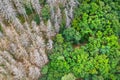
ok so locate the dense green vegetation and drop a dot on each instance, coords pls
(90, 48)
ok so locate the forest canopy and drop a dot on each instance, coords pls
(89, 49)
(59, 39)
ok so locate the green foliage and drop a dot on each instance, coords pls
(44, 70)
(37, 19)
(1, 28)
(42, 2)
(69, 76)
(108, 45)
(95, 16)
(59, 38)
(77, 61)
(97, 24)
(45, 13)
(72, 35)
(29, 11)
